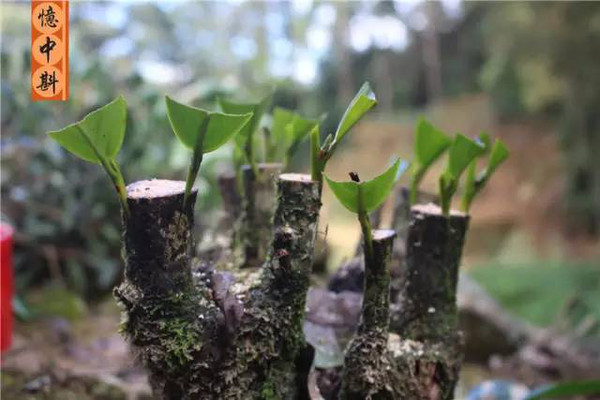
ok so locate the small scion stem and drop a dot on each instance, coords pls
(367, 371)
(365, 225)
(315, 156)
(119, 182)
(114, 173)
(470, 187)
(414, 187)
(194, 167)
(249, 150)
(447, 189)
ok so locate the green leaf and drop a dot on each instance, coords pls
(222, 127)
(300, 128)
(484, 140)
(430, 144)
(564, 389)
(288, 131)
(346, 193)
(374, 192)
(473, 184)
(278, 142)
(99, 135)
(281, 119)
(462, 151)
(469, 190)
(186, 122)
(498, 155)
(257, 110)
(362, 102)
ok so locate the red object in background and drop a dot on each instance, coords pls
(6, 286)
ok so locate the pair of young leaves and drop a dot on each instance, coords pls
(362, 102)
(431, 143)
(289, 129)
(99, 136)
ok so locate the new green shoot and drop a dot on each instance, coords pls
(288, 130)
(362, 198)
(475, 183)
(462, 151)
(202, 131)
(430, 144)
(362, 102)
(245, 139)
(97, 138)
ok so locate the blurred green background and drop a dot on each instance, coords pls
(526, 72)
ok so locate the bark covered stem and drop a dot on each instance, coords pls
(162, 309)
(367, 367)
(433, 253)
(430, 345)
(261, 359)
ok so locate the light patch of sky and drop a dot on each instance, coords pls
(275, 23)
(406, 6)
(417, 20)
(301, 7)
(118, 47)
(279, 68)
(114, 14)
(243, 47)
(162, 73)
(383, 32)
(318, 43)
(318, 39)
(305, 68)
(325, 15)
(453, 8)
(283, 48)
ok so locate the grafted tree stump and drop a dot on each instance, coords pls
(430, 348)
(195, 344)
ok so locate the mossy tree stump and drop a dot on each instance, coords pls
(429, 349)
(194, 344)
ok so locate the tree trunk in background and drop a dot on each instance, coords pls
(345, 78)
(431, 54)
(384, 79)
(580, 143)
